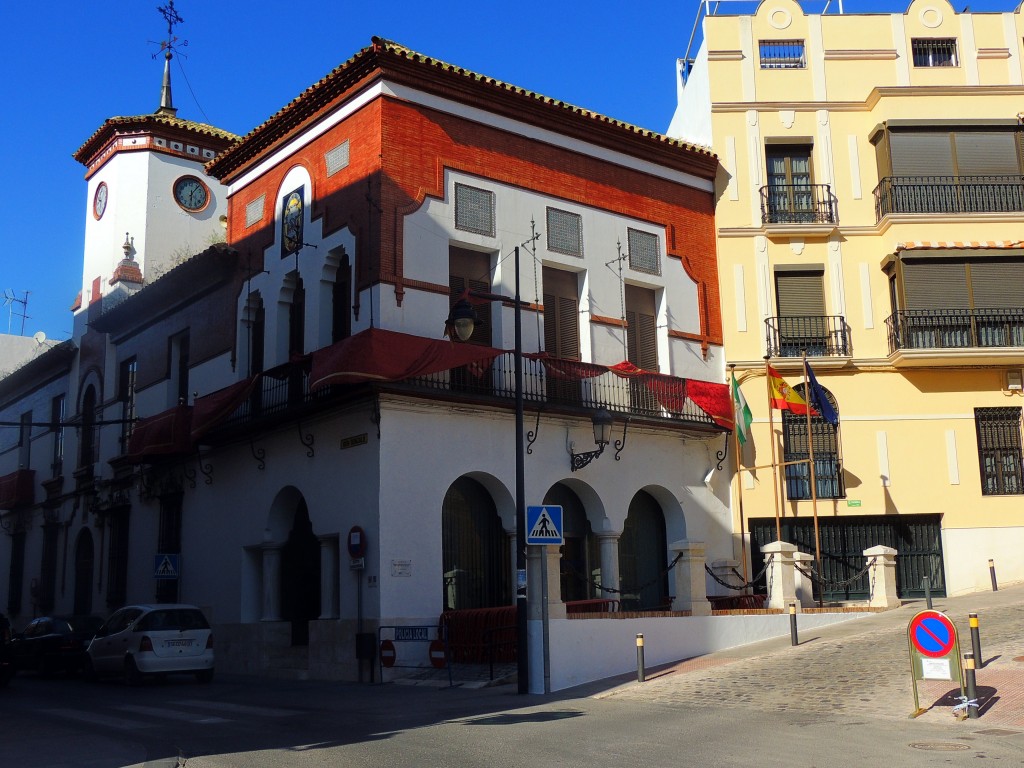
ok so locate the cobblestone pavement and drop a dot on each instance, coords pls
(857, 668)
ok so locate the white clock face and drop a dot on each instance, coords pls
(99, 200)
(190, 193)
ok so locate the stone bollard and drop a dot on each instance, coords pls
(882, 577)
(691, 581)
(803, 562)
(781, 574)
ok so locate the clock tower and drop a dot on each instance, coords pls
(150, 203)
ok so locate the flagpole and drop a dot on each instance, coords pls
(737, 448)
(775, 468)
(812, 471)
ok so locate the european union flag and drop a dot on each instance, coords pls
(820, 401)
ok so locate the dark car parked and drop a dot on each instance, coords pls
(6, 660)
(54, 643)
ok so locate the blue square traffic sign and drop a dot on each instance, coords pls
(544, 525)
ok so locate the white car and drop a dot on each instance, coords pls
(140, 640)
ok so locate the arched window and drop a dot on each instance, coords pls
(642, 553)
(475, 550)
(828, 466)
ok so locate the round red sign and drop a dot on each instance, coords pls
(387, 653)
(438, 657)
(932, 634)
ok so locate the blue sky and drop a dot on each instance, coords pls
(70, 65)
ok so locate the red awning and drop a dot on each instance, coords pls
(18, 489)
(209, 410)
(166, 434)
(379, 355)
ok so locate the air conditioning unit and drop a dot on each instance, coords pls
(1013, 381)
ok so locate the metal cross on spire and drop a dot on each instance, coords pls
(172, 17)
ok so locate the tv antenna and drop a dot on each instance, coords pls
(10, 299)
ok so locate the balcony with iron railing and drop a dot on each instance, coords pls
(815, 335)
(949, 194)
(803, 204)
(981, 336)
(553, 384)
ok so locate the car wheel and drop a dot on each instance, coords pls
(132, 676)
(205, 676)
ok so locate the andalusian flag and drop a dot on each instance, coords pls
(783, 397)
(743, 415)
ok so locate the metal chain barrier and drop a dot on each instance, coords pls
(745, 585)
(626, 591)
(810, 574)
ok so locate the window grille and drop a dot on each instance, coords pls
(999, 450)
(934, 52)
(644, 251)
(57, 420)
(565, 232)
(337, 158)
(782, 54)
(254, 211)
(474, 210)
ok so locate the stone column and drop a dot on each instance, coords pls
(882, 577)
(691, 585)
(271, 583)
(781, 574)
(329, 576)
(609, 544)
(804, 586)
(553, 562)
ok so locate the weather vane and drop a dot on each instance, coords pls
(172, 17)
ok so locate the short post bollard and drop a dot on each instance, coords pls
(972, 687)
(992, 573)
(640, 674)
(975, 638)
(792, 625)
(927, 583)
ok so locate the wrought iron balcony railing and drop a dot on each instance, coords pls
(798, 204)
(818, 335)
(949, 194)
(955, 328)
(550, 382)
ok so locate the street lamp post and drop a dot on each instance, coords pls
(462, 319)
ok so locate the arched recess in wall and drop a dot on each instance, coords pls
(643, 552)
(581, 555)
(476, 560)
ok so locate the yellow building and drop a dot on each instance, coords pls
(871, 214)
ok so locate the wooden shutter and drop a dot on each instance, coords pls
(471, 270)
(935, 284)
(561, 314)
(986, 153)
(800, 294)
(641, 328)
(925, 153)
(998, 284)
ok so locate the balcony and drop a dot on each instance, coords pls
(949, 194)
(818, 335)
(803, 206)
(557, 385)
(956, 336)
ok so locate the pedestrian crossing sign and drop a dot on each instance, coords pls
(544, 525)
(166, 567)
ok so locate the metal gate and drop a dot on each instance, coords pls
(917, 541)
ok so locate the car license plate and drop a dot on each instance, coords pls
(178, 643)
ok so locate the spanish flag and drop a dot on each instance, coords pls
(783, 397)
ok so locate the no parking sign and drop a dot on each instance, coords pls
(934, 651)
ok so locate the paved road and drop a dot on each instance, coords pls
(857, 668)
(840, 698)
